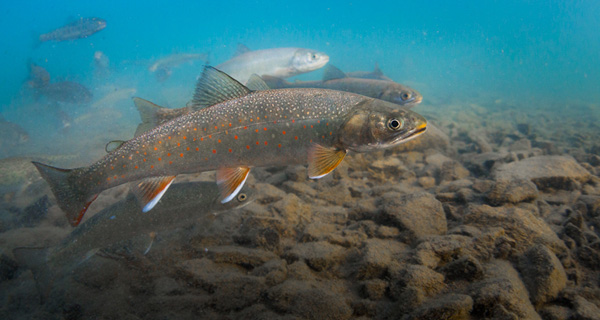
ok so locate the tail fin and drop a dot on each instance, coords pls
(34, 259)
(73, 200)
(148, 112)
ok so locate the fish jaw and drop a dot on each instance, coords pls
(306, 60)
(377, 124)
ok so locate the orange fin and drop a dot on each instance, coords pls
(150, 190)
(231, 181)
(322, 160)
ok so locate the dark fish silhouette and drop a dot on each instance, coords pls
(81, 28)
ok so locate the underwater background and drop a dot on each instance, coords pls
(452, 221)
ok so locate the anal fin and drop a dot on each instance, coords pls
(231, 181)
(322, 160)
(150, 190)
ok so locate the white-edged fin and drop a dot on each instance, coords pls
(256, 83)
(215, 86)
(113, 145)
(241, 49)
(150, 190)
(322, 160)
(331, 73)
(231, 181)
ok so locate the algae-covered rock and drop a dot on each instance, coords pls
(420, 214)
(542, 273)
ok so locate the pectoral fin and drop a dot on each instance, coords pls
(322, 160)
(231, 181)
(150, 190)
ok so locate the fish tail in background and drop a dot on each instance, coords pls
(275, 82)
(34, 259)
(148, 112)
(70, 197)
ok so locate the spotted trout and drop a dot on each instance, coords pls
(80, 28)
(234, 130)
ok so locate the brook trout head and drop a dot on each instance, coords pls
(306, 60)
(101, 23)
(401, 95)
(376, 124)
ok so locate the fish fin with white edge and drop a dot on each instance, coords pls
(256, 83)
(71, 198)
(150, 190)
(148, 113)
(322, 160)
(215, 86)
(241, 49)
(331, 73)
(113, 145)
(35, 259)
(230, 181)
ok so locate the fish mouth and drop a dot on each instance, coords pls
(418, 99)
(420, 129)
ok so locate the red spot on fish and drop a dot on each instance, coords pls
(293, 121)
(170, 162)
(219, 140)
(178, 144)
(155, 148)
(152, 167)
(108, 179)
(235, 137)
(169, 138)
(115, 177)
(122, 176)
(112, 168)
(197, 149)
(251, 120)
(194, 139)
(136, 167)
(210, 136)
(257, 142)
(296, 137)
(159, 142)
(181, 155)
(159, 159)
(188, 148)
(184, 137)
(201, 139)
(323, 136)
(144, 160)
(318, 121)
(229, 150)
(311, 126)
(283, 132)
(265, 129)
(274, 122)
(137, 152)
(256, 130)
(214, 151)
(216, 127)
(247, 147)
(204, 129)
(195, 129)
(327, 124)
(304, 126)
(168, 154)
(123, 166)
(230, 124)
(145, 154)
(245, 127)
(330, 133)
(279, 145)
(222, 124)
(265, 143)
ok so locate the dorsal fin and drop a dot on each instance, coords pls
(148, 112)
(215, 86)
(256, 83)
(332, 73)
(377, 71)
(241, 49)
(113, 145)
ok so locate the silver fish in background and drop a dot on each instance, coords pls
(277, 62)
(335, 79)
(11, 136)
(63, 91)
(101, 64)
(162, 68)
(123, 221)
(81, 28)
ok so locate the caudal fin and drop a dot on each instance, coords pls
(71, 198)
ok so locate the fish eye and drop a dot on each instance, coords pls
(405, 96)
(395, 124)
(242, 197)
(314, 56)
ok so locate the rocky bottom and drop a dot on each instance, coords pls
(479, 218)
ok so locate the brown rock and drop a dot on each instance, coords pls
(420, 214)
(318, 255)
(512, 191)
(450, 307)
(542, 273)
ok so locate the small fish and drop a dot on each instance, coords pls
(162, 67)
(277, 62)
(376, 74)
(335, 79)
(123, 221)
(11, 135)
(237, 129)
(63, 91)
(81, 28)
